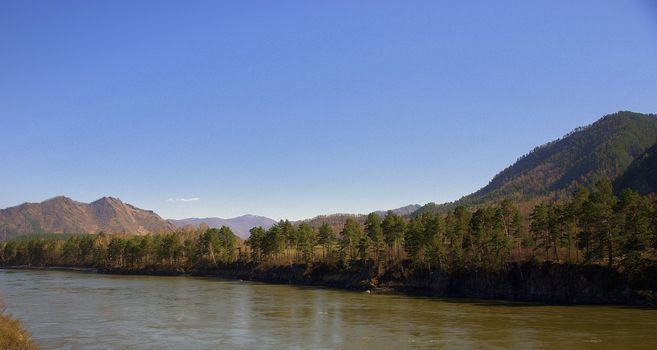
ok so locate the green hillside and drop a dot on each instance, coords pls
(604, 149)
(641, 175)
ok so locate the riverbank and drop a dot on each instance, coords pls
(13, 336)
(548, 283)
(51, 268)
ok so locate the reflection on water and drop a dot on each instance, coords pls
(73, 310)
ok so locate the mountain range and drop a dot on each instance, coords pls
(64, 215)
(620, 146)
(239, 225)
(242, 224)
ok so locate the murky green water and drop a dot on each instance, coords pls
(73, 310)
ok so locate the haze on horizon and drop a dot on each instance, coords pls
(294, 109)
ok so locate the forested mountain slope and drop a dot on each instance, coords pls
(603, 149)
(336, 221)
(641, 176)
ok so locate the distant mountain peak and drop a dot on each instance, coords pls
(108, 199)
(64, 215)
(58, 199)
(239, 225)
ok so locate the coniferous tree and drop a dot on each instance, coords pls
(413, 240)
(540, 228)
(115, 251)
(290, 236)
(255, 242)
(633, 217)
(375, 240)
(653, 198)
(599, 218)
(434, 235)
(274, 242)
(458, 223)
(307, 238)
(227, 243)
(573, 214)
(350, 238)
(326, 239)
(393, 227)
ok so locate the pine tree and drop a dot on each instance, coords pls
(393, 227)
(326, 239)
(375, 237)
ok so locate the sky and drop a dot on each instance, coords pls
(290, 109)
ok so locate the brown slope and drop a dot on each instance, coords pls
(64, 215)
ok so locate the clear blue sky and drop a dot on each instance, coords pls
(298, 108)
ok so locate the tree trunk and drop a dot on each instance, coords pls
(214, 260)
(609, 250)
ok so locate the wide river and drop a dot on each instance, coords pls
(76, 310)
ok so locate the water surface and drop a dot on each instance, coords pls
(74, 310)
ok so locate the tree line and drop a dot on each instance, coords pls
(590, 227)
(178, 251)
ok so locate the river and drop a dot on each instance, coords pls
(77, 310)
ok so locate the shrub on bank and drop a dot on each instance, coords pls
(12, 334)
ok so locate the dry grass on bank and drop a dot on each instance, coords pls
(12, 334)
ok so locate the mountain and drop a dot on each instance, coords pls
(403, 211)
(242, 224)
(239, 225)
(64, 215)
(603, 149)
(337, 220)
(641, 175)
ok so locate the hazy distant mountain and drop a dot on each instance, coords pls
(403, 211)
(603, 149)
(641, 175)
(337, 220)
(242, 224)
(239, 225)
(64, 215)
